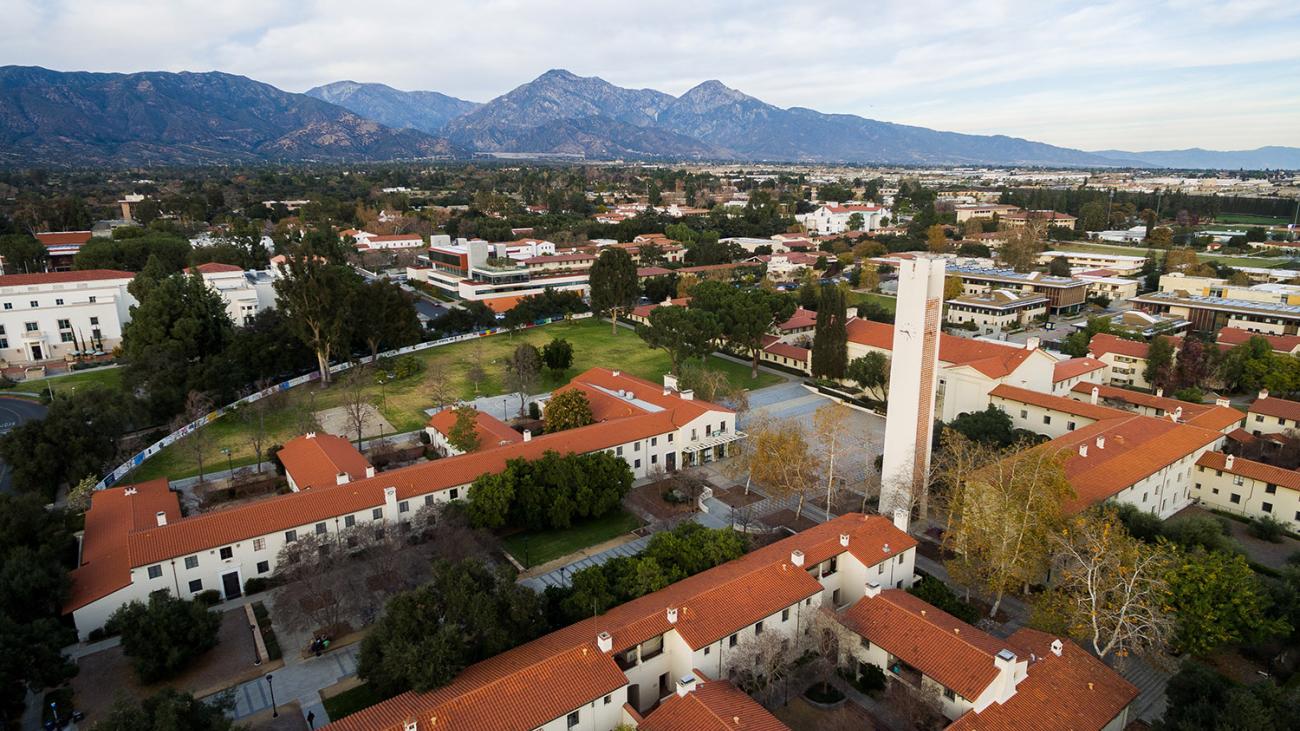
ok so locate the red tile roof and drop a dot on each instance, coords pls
(774, 346)
(1096, 412)
(213, 267)
(1208, 416)
(712, 706)
(644, 272)
(800, 320)
(502, 304)
(85, 275)
(64, 238)
(938, 644)
(1268, 406)
(644, 310)
(1070, 692)
(317, 460)
(992, 359)
(1066, 369)
(1290, 479)
(1233, 336)
(114, 514)
(492, 432)
(1103, 343)
(532, 684)
(398, 237)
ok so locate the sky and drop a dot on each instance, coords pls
(1131, 75)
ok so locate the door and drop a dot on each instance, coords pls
(634, 696)
(36, 353)
(670, 460)
(230, 585)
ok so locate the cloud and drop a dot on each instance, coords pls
(1211, 73)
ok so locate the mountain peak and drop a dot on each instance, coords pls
(711, 94)
(558, 75)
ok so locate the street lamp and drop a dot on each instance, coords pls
(275, 712)
(257, 656)
(230, 465)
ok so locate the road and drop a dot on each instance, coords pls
(15, 412)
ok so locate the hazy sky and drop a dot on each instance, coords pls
(1131, 75)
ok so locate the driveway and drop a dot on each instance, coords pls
(15, 412)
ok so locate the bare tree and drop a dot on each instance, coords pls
(475, 372)
(522, 371)
(916, 708)
(782, 460)
(830, 425)
(317, 590)
(438, 382)
(356, 403)
(253, 415)
(197, 406)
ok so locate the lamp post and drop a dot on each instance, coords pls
(257, 656)
(230, 464)
(275, 712)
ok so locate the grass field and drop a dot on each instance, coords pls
(1250, 219)
(534, 549)
(110, 377)
(402, 403)
(1234, 261)
(885, 302)
(350, 701)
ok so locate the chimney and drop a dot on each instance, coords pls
(687, 684)
(605, 641)
(1227, 463)
(1083, 450)
(1057, 647)
(670, 381)
(341, 478)
(390, 501)
(1160, 392)
(902, 516)
(616, 374)
(370, 471)
(796, 557)
(687, 395)
(672, 615)
(885, 548)
(1101, 442)
(844, 539)
(1222, 402)
(1178, 414)
(1263, 393)
(1095, 393)
(311, 435)
(161, 517)
(1032, 342)
(873, 590)
(528, 435)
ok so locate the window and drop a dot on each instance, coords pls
(866, 643)
(65, 336)
(321, 529)
(785, 614)
(654, 458)
(30, 327)
(707, 649)
(290, 536)
(454, 493)
(1238, 480)
(1047, 419)
(377, 514)
(731, 641)
(404, 507)
(758, 627)
(1235, 498)
(670, 438)
(196, 586)
(881, 568)
(1271, 489)
(96, 333)
(263, 566)
(9, 305)
(1266, 507)
(1069, 425)
(35, 303)
(654, 441)
(428, 499)
(619, 451)
(607, 700)
(835, 598)
(4, 343)
(64, 324)
(259, 544)
(949, 694)
(94, 321)
(227, 553)
(155, 571)
(573, 719)
(191, 562)
(349, 521)
(636, 446)
(695, 434)
(92, 300)
(1258, 417)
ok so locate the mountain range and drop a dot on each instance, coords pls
(80, 118)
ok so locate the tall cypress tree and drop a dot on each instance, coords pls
(830, 352)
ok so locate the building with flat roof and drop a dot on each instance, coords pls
(996, 311)
(1065, 295)
(983, 210)
(62, 315)
(1124, 265)
(1211, 314)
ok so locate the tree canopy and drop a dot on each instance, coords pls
(164, 635)
(550, 492)
(683, 333)
(614, 285)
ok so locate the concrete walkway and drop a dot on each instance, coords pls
(299, 680)
(563, 575)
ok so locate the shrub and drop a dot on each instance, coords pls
(534, 411)
(208, 597)
(937, 593)
(425, 439)
(165, 635)
(1267, 528)
(256, 584)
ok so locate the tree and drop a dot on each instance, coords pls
(522, 371)
(683, 333)
(197, 406)
(1002, 510)
(871, 373)
(936, 240)
(781, 460)
(312, 295)
(22, 253)
(614, 285)
(568, 409)
(952, 287)
(1195, 364)
(475, 372)
(991, 427)
(745, 315)
(549, 492)
(558, 355)
(1217, 599)
(463, 434)
(830, 335)
(438, 382)
(389, 317)
(1110, 589)
(1024, 243)
(856, 222)
(253, 414)
(356, 401)
(1160, 361)
(467, 612)
(166, 710)
(830, 424)
(1059, 266)
(1253, 365)
(1200, 699)
(163, 636)
(1161, 237)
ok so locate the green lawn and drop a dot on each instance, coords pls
(109, 377)
(403, 403)
(533, 549)
(350, 701)
(1234, 261)
(1250, 219)
(884, 301)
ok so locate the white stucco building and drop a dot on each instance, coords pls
(54, 315)
(833, 218)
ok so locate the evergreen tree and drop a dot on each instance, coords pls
(830, 336)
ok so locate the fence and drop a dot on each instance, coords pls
(144, 455)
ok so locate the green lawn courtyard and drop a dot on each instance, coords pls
(66, 384)
(403, 402)
(884, 301)
(535, 549)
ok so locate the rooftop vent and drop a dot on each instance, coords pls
(1083, 450)
(161, 517)
(370, 471)
(885, 548)
(686, 684)
(341, 478)
(672, 615)
(844, 539)
(605, 641)
(796, 557)
(1057, 647)
(1227, 461)
(873, 590)
(1101, 442)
